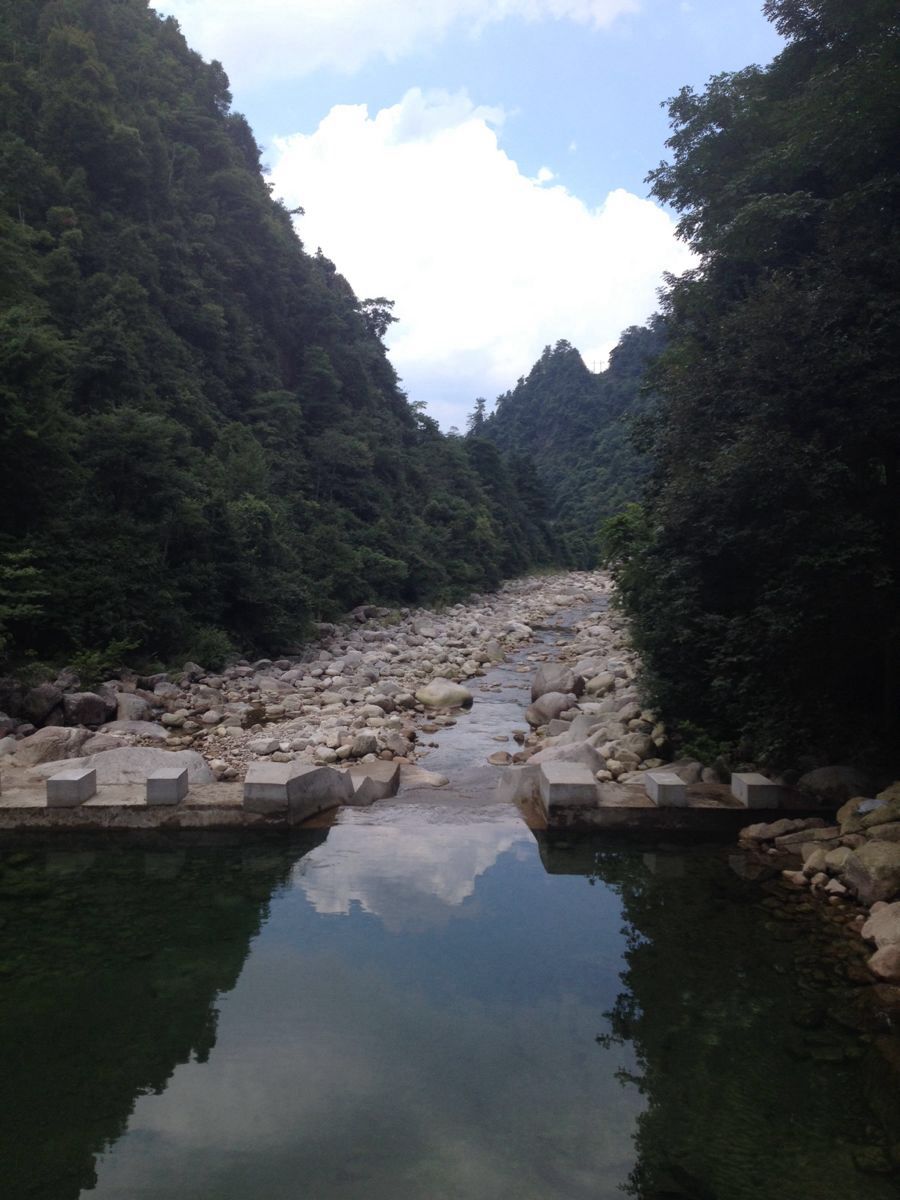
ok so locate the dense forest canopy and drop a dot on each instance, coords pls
(579, 431)
(203, 442)
(763, 570)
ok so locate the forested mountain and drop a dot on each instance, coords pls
(576, 429)
(763, 573)
(202, 440)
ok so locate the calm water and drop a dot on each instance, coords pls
(421, 1004)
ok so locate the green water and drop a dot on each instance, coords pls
(422, 1004)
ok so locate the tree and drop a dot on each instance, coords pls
(765, 586)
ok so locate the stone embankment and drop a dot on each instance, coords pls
(854, 861)
(365, 691)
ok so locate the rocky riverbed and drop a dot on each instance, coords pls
(370, 688)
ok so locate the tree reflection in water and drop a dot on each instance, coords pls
(759, 1077)
(111, 964)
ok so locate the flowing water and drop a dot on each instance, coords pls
(428, 1001)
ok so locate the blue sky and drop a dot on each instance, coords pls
(480, 162)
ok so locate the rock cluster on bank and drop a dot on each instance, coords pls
(586, 708)
(858, 857)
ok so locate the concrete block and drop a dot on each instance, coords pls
(168, 785)
(374, 781)
(666, 789)
(314, 789)
(567, 785)
(68, 789)
(266, 787)
(755, 791)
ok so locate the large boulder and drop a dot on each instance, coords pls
(549, 707)
(573, 752)
(132, 708)
(132, 764)
(84, 708)
(835, 785)
(883, 925)
(39, 702)
(444, 693)
(873, 871)
(555, 677)
(640, 744)
(50, 744)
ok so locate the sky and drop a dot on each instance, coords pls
(482, 163)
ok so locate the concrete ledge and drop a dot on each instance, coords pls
(666, 789)
(69, 789)
(755, 791)
(312, 790)
(168, 785)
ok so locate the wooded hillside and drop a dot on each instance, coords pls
(577, 429)
(763, 573)
(203, 442)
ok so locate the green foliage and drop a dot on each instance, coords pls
(203, 443)
(21, 592)
(573, 431)
(765, 584)
(93, 666)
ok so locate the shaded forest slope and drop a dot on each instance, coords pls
(203, 442)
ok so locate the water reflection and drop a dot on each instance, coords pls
(110, 966)
(368, 1052)
(410, 875)
(757, 1084)
(409, 1007)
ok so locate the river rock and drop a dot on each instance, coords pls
(885, 963)
(84, 708)
(600, 684)
(577, 752)
(768, 831)
(555, 677)
(883, 925)
(549, 707)
(132, 708)
(145, 729)
(363, 744)
(8, 745)
(132, 764)
(873, 871)
(264, 746)
(444, 693)
(46, 745)
(834, 785)
(39, 702)
(836, 860)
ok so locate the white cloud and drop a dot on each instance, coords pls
(281, 39)
(420, 203)
(395, 873)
